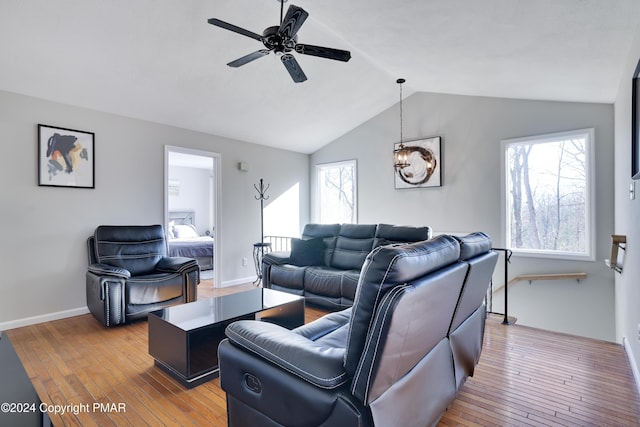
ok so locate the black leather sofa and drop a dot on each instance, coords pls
(324, 264)
(396, 358)
(130, 274)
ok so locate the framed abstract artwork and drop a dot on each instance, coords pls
(421, 166)
(66, 157)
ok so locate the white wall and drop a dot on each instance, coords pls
(42, 249)
(469, 200)
(627, 218)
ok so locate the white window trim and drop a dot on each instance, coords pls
(590, 232)
(353, 163)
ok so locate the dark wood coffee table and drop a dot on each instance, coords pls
(184, 339)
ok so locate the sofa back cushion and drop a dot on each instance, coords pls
(136, 248)
(328, 233)
(475, 250)
(387, 234)
(385, 268)
(353, 244)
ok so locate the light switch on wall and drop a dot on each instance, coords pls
(632, 191)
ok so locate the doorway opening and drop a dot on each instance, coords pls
(191, 209)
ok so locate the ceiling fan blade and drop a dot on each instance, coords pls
(293, 68)
(248, 58)
(292, 22)
(323, 52)
(234, 28)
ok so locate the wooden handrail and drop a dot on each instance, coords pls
(550, 276)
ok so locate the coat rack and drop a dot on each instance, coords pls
(260, 248)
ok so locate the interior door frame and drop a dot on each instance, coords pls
(217, 176)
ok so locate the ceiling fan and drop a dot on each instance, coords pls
(282, 40)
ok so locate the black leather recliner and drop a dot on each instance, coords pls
(387, 360)
(466, 331)
(130, 274)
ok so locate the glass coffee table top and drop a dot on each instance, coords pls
(205, 312)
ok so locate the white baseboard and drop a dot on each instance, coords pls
(242, 281)
(632, 362)
(27, 321)
(43, 318)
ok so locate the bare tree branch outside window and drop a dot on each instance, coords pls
(337, 192)
(547, 194)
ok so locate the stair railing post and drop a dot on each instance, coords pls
(507, 260)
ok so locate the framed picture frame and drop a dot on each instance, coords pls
(424, 168)
(66, 157)
(635, 123)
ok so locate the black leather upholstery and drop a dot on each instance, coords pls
(385, 361)
(353, 244)
(386, 268)
(331, 283)
(387, 234)
(467, 326)
(129, 274)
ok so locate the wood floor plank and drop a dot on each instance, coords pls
(526, 377)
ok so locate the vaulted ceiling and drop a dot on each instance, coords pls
(159, 60)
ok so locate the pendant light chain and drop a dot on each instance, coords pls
(400, 81)
(401, 154)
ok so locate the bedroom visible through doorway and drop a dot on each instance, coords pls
(191, 208)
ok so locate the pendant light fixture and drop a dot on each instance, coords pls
(401, 154)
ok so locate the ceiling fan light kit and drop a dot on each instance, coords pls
(283, 40)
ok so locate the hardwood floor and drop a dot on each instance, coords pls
(525, 377)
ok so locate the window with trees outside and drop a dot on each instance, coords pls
(336, 194)
(548, 195)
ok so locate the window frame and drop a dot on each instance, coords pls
(321, 166)
(590, 220)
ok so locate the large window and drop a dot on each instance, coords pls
(336, 195)
(548, 195)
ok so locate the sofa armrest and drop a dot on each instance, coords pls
(316, 363)
(105, 296)
(109, 270)
(277, 258)
(273, 258)
(176, 264)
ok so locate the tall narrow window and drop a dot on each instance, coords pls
(337, 190)
(548, 194)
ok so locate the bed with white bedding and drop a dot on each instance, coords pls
(184, 240)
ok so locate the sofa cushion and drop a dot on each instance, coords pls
(324, 281)
(388, 234)
(287, 276)
(307, 251)
(473, 244)
(353, 244)
(349, 286)
(329, 287)
(153, 288)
